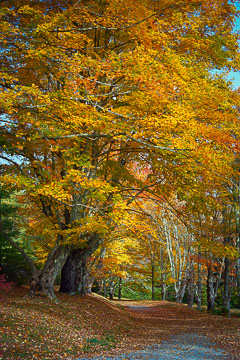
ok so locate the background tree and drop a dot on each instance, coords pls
(16, 258)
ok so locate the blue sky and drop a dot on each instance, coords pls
(235, 76)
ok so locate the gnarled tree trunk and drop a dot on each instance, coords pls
(44, 279)
(74, 272)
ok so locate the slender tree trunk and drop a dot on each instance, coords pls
(111, 289)
(212, 288)
(119, 288)
(163, 292)
(190, 285)
(89, 282)
(100, 290)
(226, 291)
(237, 266)
(104, 288)
(199, 288)
(153, 282)
(162, 266)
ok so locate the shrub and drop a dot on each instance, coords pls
(5, 286)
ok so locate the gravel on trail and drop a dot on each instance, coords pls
(187, 344)
(184, 346)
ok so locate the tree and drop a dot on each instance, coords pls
(111, 261)
(16, 258)
(169, 233)
(233, 218)
(215, 255)
(88, 89)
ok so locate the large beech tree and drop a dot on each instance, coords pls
(91, 89)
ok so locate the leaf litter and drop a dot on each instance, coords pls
(87, 326)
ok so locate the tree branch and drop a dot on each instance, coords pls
(22, 252)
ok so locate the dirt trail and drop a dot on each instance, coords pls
(164, 330)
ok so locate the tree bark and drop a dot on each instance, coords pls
(104, 288)
(226, 291)
(237, 266)
(89, 282)
(199, 288)
(119, 288)
(100, 287)
(212, 287)
(181, 293)
(111, 289)
(190, 285)
(210, 290)
(180, 287)
(44, 279)
(163, 292)
(153, 282)
(162, 265)
(74, 272)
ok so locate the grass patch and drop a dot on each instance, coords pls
(105, 342)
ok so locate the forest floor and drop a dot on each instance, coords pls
(83, 327)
